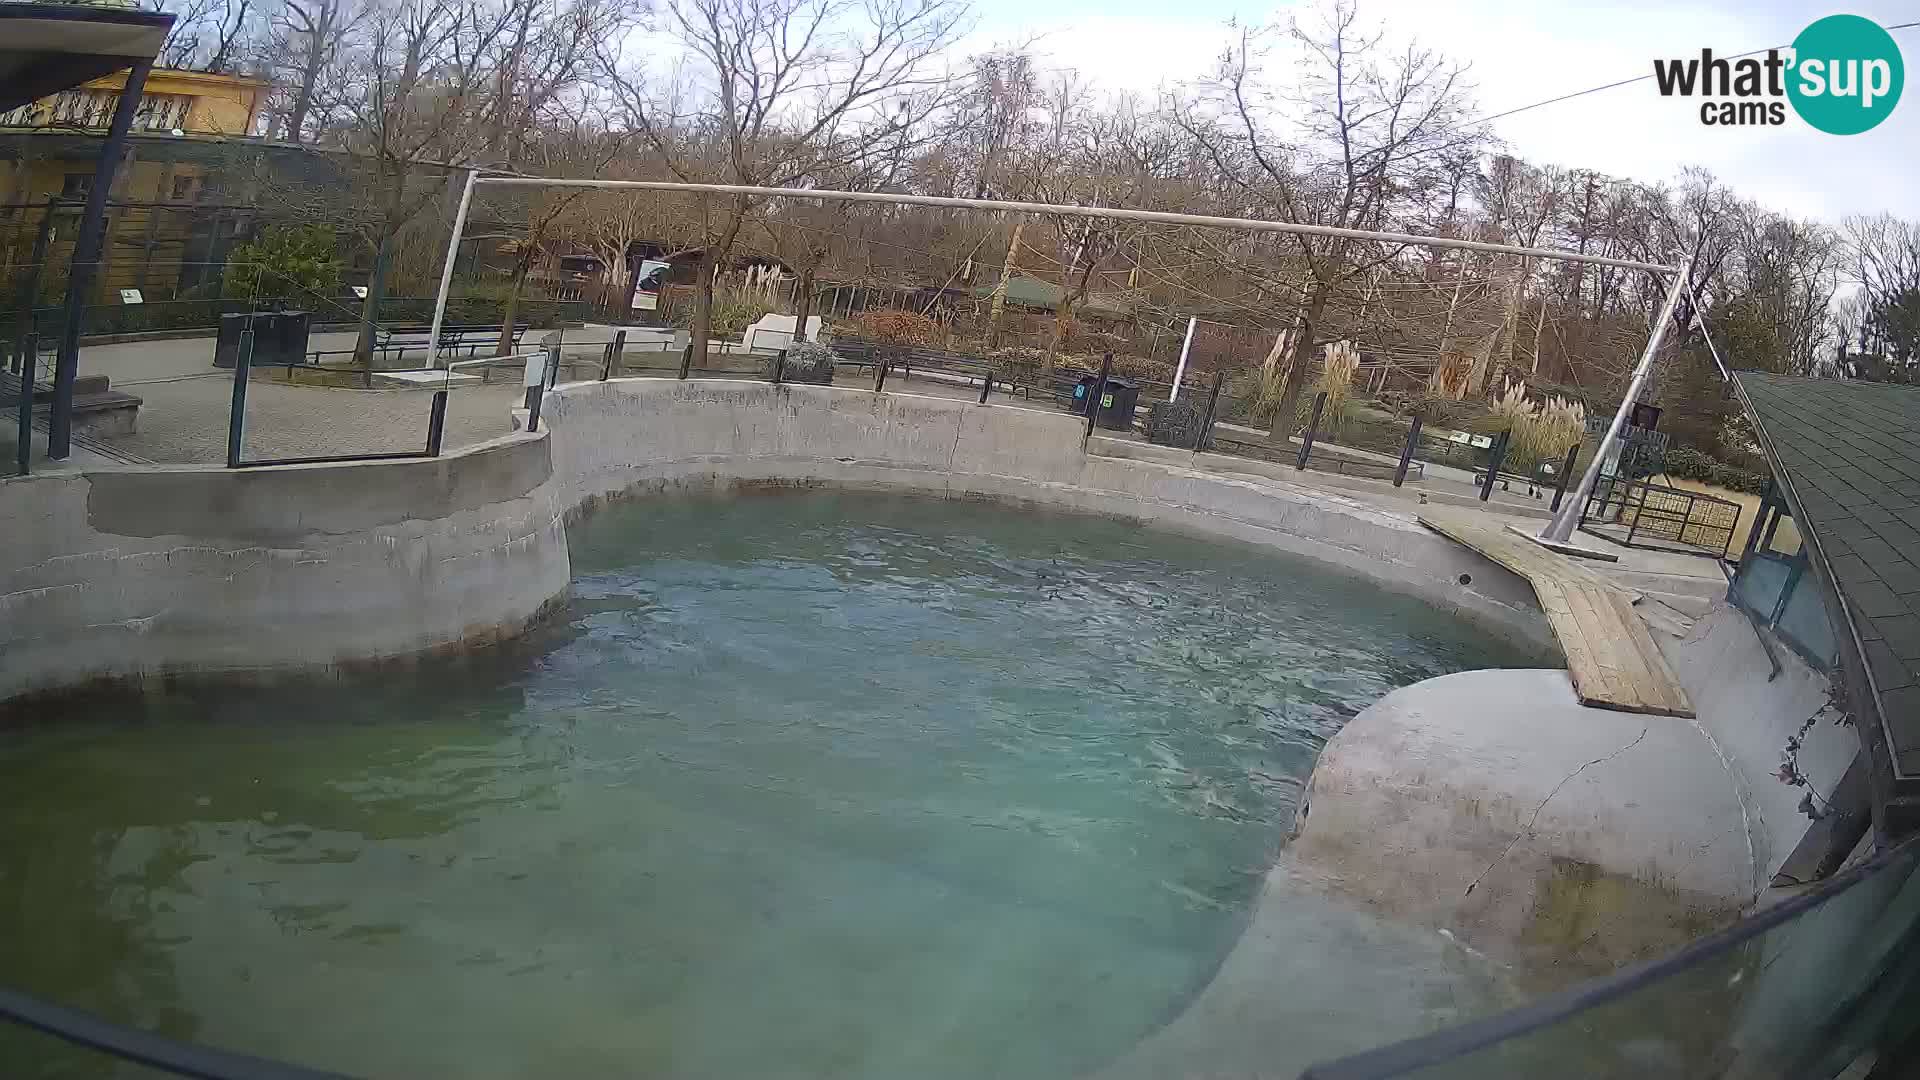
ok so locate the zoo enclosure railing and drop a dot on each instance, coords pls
(1643, 514)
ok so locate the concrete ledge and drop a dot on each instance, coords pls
(636, 436)
(115, 574)
(1560, 839)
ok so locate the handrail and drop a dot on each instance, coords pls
(145, 1047)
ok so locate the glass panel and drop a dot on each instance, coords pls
(1805, 997)
(1757, 585)
(1804, 622)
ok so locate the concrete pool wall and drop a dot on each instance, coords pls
(123, 573)
(631, 436)
(119, 573)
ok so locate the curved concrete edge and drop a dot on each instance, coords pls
(628, 437)
(1560, 839)
(137, 572)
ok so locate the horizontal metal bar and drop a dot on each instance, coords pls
(1113, 213)
(399, 455)
(145, 1047)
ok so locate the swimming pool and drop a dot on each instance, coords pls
(798, 784)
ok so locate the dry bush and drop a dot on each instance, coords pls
(1335, 381)
(895, 327)
(1537, 430)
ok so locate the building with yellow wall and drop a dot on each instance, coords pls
(169, 221)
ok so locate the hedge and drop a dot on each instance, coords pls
(1685, 463)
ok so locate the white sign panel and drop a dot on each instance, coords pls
(653, 277)
(131, 296)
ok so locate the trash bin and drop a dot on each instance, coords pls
(1118, 403)
(280, 338)
(1082, 392)
(226, 347)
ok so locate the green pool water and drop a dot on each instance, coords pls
(797, 785)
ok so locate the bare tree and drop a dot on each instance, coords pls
(773, 93)
(207, 35)
(305, 41)
(1335, 149)
(418, 107)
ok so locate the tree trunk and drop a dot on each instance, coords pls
(702, 306)
(370, 309)
(1539, 324)
(504, 347)
(1282, 428)
(1064, 311)
(803, 302)
(999, 307)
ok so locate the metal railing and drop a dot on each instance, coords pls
(1642, 514)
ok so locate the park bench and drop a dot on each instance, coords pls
(98, 410)
(394, 341)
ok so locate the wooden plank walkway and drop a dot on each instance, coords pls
(1612, 656)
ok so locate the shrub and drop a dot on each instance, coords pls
(1537, 431)
(895, 327)
(1686, 463)
(298, 261)
(806, 362)
(1335, 381)
(732, 312)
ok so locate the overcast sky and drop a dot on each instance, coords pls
(1523, 52)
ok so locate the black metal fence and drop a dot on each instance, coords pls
(1638, 513)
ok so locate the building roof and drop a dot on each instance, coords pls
(1851, 454)
(46, 48)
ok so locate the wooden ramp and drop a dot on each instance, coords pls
(1614, 661)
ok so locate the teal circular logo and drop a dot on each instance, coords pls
(1846, 75)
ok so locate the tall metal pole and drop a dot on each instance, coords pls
(1110, 213)
(446, 269)
(1180, 369)
(1560, 529)
(86, 261)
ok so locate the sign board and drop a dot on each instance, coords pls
(653, 278)
(1465, 439)
(131, 296)
(360, 291)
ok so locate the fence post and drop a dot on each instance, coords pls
(986, 385)
(1313, 428)
(436, 422)
(30, 288)
(779, 366)
(237, 409)
(1406, 452)
(1206, 420)
(1566, 470)
(1495, 457)
(1099, 388)
(616, 350)
(29, 370)
(880, 373)
(686, 357)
